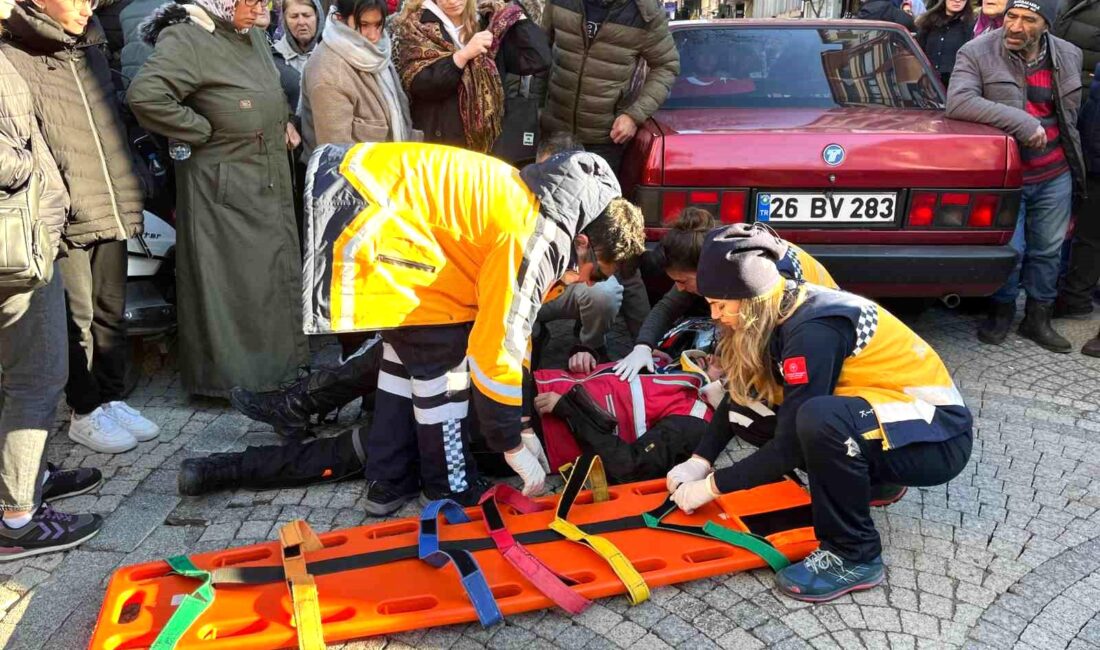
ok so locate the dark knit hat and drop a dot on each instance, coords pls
(738, 262)
(1048, 9)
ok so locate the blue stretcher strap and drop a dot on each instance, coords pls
(473, 580)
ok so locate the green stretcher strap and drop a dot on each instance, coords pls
(190, 608)
(754, 544)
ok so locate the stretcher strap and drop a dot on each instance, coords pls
(296, 539)
(546, 580)
(473, 580)
(190, 608)
(589, 468)
(754, 544)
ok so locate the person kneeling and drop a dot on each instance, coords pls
(858, 398)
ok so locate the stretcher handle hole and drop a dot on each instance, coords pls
(407, 605)
(581, 577)
(651, 487)
(585, 498)
(401, 528)
(130, 642)
(211, 631)
(332, 541)
(500, 592)
(708, 554)
(650, 564)
(242, 556)
(130, 609)
(150, 572)
(338, 615)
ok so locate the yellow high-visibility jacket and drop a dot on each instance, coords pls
(405, 234)
(805, 267)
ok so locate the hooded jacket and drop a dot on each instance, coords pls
(287, 47)
(590, 79)
(23, 152)
(77, 110)
(1078, 22)
(405, 235)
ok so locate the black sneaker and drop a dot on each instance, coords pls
(386, 497)
(48, 531)
(64, 483)
(467, 498)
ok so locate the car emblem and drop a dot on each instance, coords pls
(833, 155)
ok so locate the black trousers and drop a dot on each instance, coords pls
(420, 434)
(1084, 255)
(297, 464)
(842, 466)
(95, 293)
(668, 442)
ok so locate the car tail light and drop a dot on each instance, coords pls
(922, 208)
(661, 205)
(733, 207)
(983, 212)
(962, 209)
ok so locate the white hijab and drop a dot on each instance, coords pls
(455, 31)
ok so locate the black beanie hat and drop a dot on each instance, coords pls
(738, 262)
(1048, 9)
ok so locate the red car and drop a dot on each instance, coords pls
(833, 132)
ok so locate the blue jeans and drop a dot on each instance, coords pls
(1040, 230)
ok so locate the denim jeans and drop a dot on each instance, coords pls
(35, 361)
(1040, 230)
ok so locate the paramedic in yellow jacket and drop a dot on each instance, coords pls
(449, 253)
(849, 393)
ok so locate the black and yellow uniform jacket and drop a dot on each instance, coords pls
(407, 235)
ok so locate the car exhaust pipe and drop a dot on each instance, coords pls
(951, 300)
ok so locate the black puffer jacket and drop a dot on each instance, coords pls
(885, 10)
(23, 151)
(77, 109)
(1079, 23)
(942, 43)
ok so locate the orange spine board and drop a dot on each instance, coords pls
(409, 594)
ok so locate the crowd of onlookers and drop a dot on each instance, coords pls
(238, 93)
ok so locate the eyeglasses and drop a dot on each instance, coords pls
(91, 4)
(251, 4)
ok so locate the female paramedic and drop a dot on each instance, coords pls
(839, 387)
(678, 256)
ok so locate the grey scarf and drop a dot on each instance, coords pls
(373, 59)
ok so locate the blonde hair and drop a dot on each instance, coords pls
(744, 353)
(470, 22)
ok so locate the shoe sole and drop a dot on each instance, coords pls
(94, 446)
(76, 493)
(885, 502)
(991, 340)
(386, 509)
(1048, 348)
(863, 586)
(8, 557)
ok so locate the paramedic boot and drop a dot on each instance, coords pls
(215, 472)
(289, 410)
(1036, 326)
(997, 323)
(824, 576)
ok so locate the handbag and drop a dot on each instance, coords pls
(519, 134)
(26, 261)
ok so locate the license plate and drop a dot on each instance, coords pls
(818, 207)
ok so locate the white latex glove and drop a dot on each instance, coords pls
(524, 462)
(629, 366)
(696, 494)
(692, 469)
(531, 442)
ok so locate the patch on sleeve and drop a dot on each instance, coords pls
(794, 371)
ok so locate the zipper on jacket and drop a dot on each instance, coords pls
(99, 148)
(400, 261)
(584, 62)
(267, 158)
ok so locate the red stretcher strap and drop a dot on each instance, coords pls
(545, 579)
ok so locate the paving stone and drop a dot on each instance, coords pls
(598, 618)
(626, 633)
(739, 640)
(131, 523)
(713, 623)
(772, 632)
(881, 619)
(673, 630)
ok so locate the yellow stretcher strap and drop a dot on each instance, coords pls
(297, 538)
(589, 468)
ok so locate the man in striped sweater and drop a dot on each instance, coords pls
(1024, 80)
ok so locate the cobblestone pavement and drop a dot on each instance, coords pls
(1007, 554)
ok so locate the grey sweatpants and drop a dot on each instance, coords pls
(34, 358)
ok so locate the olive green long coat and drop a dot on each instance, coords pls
(238, 269)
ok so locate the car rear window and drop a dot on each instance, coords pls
(792, 67)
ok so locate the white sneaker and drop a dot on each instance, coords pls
(101, 432)
(132, 420)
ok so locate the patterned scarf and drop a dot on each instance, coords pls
(481, 94)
